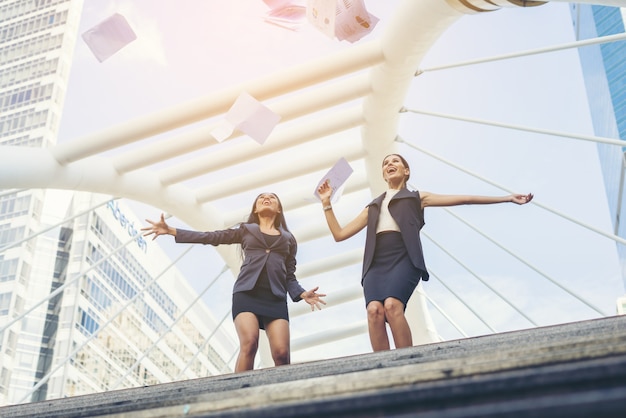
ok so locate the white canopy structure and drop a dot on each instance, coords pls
(363, 86)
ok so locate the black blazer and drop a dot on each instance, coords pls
(406, 209)
(279, 258)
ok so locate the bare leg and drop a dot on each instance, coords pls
(278, 335)
(376, 326)
(394, 312)
(247, 326)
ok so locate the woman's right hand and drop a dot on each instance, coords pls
(325, 191)
(158, 228)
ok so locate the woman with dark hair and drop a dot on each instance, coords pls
(393, 262)
(267, 274)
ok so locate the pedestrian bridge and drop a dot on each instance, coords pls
(577, 366)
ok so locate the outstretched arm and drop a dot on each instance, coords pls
(432, 199)
(158, 228)
(339, 233)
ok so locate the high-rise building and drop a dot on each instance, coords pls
(89, 306)
(603, 69)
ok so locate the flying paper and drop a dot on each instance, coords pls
(321, 14)
(337, 176)
(109, 36)
(288, 14)
(250, 117)
(344, 19)
(353, 21)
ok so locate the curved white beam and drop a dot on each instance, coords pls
(330, 263)
(298, 198)
(279, 140)
(308, 102)
(36, 168)
(347, 294)
(480, 6)
(296, 166)
(337, 333)
(414, 28)
(292, 79)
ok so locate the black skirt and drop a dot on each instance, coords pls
(261, 302)
(391, 274)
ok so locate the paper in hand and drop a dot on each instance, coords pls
(109, 36)
(337, 176)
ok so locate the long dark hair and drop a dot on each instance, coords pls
(253, 217)
(279, 221)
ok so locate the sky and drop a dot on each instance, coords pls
(200, 46)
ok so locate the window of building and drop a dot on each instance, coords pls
(5, 303)
(8, 269)
(88, 324)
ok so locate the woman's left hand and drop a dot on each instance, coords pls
(313, 298)
(521, 199)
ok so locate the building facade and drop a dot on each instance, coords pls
(603, 69)
(127, 317)
(89, 306)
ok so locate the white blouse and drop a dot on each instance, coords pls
(385, 220)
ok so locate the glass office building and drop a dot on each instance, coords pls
(603, 69)
(89, 306)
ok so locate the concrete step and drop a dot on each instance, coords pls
(574, 370)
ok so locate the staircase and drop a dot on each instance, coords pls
(569, 370)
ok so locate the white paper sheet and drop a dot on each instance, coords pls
(109, 36)
(353, 20)
(347, 20)
(337, 176)
(321, 14)
(250, 117)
